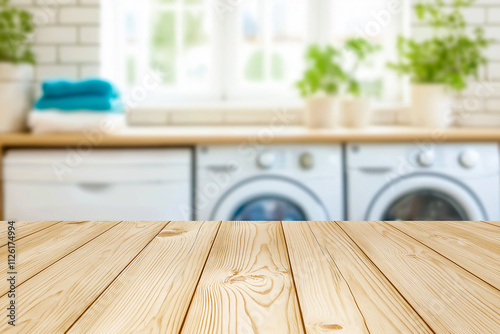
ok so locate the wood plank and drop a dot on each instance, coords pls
(448, 298)
(496, 223)
(51, 301)
(475, 246)
(194, 135)
(339, 288)
(39, 250)
(246, 285)
(326, 301)
(23, 229)
(160, 283)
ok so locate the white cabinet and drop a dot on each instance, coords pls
(101, 184)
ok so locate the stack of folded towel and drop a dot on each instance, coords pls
(68, 106)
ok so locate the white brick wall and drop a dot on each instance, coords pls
(66, 40)
(483, 97)
(67, 45)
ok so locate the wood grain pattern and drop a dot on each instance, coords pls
(193, 135)
(246, 286)
(339, 288)
(325, 298)
(472, 245)
(448, 298)
(160, 283)
(51, 301)
(236, 277)
(496, 223)
(23, 229)
(41, 249)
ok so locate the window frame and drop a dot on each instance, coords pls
(318, 26)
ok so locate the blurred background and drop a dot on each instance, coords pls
(250, 109)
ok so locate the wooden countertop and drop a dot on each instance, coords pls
(178, 136)
(245, 277)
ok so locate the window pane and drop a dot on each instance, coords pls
(172, 37)
(165, 1)
(380, 22)
(272, 42)
(163, 45)
(197, 51)
(131, 71)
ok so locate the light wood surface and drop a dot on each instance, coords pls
(257, 277)
(355, 297)
(446, 296)
(23, 229)
(246, 284)
(72, 284)
(494, 223)
(43, 248)
(174, 136)
(473, 246)
(166, 273)
(320, 283)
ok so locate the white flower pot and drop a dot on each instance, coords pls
(323, 112)
(15, 96)
(356, 112)
(431, 106)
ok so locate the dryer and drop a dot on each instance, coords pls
(450, 181)
(275, 182)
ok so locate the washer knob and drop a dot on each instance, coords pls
(306, 161)
(469, 159)
(266, 160)
(426, 159)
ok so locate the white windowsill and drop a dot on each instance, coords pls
(238, 113)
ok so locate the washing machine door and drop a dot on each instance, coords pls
(426, 198)
(269, 199)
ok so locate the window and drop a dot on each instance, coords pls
(239, 50)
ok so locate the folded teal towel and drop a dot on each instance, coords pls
(91, 102)
(61, 88)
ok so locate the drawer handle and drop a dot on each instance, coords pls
(94, 187)
(375, 170)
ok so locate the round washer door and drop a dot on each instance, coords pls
(425, 198)
(269, 199)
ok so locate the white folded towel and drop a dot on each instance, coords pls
(55, 121)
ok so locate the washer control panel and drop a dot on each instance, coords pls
(277, 159)
(267, 159)
(469, 158)
(426, 159)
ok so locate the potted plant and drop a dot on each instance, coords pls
(321, 84)
(16, 66)
(356, 108)
(441, 64)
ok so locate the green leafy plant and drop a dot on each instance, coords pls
(360, 51)
(324, 73)
(451, 56)
(16, 25)
(327, 73)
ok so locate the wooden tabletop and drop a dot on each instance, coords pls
(272, 134)
(254, 277)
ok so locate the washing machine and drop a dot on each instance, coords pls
(269, 182)
(426, 182)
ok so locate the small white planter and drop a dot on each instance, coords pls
(356, 112)
(431, 106)
(323, 112)
(15, 96)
